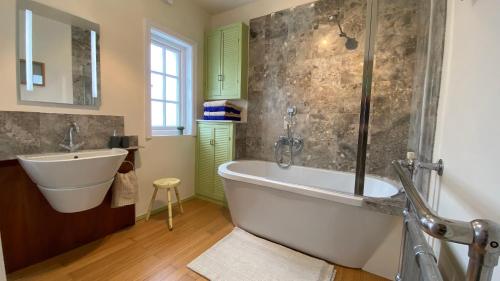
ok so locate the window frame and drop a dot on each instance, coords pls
(180, 103)
(187, 49)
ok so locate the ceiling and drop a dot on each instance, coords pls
(218, 6)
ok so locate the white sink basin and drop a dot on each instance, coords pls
(74, 182)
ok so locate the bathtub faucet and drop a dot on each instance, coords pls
(288, 144)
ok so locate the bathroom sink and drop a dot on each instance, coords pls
(76, 181)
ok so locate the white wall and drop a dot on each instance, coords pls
(254, 10)
(52, 46)
(2, 265)
(468, 134)
(122, 76)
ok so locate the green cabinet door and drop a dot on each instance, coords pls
(230, 62)
(213, 69)
(215, 146)
(227, 67)
(205, 161)
(222, 154)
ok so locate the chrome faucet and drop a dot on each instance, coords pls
(71, 147)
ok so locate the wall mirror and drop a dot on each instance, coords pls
(58, 56)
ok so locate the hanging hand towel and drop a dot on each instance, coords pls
(125, 188)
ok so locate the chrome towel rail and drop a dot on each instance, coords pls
(418, 260)
(482, 236)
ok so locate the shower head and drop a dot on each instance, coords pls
(351, 43)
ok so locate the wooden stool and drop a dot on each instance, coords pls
(166, 183)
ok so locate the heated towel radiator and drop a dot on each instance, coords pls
(418, 261)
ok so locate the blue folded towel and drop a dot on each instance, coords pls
(222, 109)
(228, 118)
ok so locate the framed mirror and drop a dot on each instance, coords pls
(58, 57)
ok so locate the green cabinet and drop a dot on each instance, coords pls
(215, 146)
(226, 62)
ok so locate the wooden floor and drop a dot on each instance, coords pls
(148, 251)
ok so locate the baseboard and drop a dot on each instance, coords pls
(224, 204)
(161, 209)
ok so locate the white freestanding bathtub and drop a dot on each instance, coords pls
(311, 210)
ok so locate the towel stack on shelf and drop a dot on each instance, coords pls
(221, 110)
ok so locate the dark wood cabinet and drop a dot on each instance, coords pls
(32, 231)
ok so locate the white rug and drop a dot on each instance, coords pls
(241, 256)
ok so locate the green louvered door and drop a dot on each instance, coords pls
(205, 161)
(214, 75)
(222, 154)
(227, 62)
(230, 62)
(215, 147)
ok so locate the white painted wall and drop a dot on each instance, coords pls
(122, 77)
(468, 134)
(253, 10)
(52, 46)
(2, 265)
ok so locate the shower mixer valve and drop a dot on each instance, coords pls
(290, 119)
(290, 144)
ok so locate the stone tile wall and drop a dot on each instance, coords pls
(393, 87)
(34, 132)
(297, 58)
(424, 104)
(82, 66)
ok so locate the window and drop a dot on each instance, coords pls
(171, 84)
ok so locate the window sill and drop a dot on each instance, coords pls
(169, 133)
(169, 136)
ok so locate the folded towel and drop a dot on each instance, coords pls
(222, 118)
(217, 103)
(222, 108)
(221, 113)
(125, 189)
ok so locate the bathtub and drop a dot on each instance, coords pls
(311, 210)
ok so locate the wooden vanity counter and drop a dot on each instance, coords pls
(32, 231)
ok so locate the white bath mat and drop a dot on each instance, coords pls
(241, 256)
